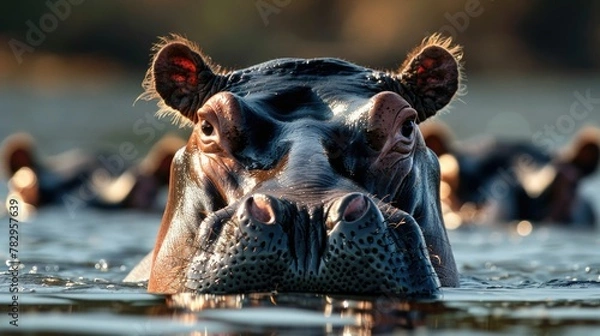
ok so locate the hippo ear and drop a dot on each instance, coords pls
(437, 136)
(181, 77)
(430, 75)
(585, 152)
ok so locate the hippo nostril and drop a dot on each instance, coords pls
(259, 207)
(348, 208)
(355, 209)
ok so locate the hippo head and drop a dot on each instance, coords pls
(303, 175)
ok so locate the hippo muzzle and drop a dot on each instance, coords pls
(346, 245)
(303, 176)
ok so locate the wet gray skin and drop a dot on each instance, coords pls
(303, 176)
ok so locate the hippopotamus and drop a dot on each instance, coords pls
(493, 180)
(138, 186)
(41, 182)
(76, 177)
(302, 175)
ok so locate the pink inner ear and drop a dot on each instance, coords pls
(185, 63)
(178, 78)
(188, 70)
(425, 65)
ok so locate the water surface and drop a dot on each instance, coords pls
(71, 272)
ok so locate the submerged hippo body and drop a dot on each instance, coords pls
(302, 176)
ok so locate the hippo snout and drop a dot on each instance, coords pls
(347, 245)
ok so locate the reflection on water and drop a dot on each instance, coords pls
(267, 314)
(321, 314)
(196, 314)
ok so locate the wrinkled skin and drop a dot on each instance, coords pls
(302, 176)
(499, 180)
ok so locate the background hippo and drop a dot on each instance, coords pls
(41, 182)
(302, 175)
(495, 180)
(74, 178)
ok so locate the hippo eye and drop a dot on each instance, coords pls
(207, 128)
(407, 128)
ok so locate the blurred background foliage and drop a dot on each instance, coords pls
(509, 35)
